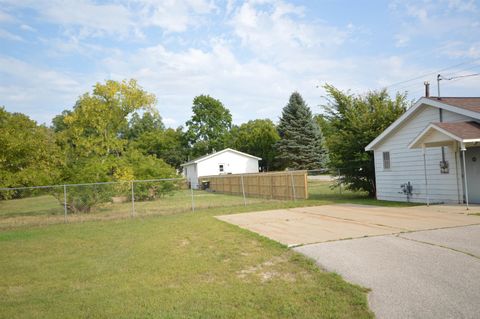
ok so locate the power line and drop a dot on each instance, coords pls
(463, 70)
(431, 73)
(459, 76)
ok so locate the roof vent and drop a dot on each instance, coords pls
(427, 88)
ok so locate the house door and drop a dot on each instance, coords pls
(472, 159)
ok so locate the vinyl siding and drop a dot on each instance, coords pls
(406, 165)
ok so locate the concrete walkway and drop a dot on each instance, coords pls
(426, 274)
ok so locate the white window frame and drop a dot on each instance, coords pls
(387, 161)
(221, 168)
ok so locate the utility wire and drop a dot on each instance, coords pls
(431, 73)
(459, 76)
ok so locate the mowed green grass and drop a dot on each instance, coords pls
(187, 265)
(168, 262)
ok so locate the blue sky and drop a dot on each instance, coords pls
(249, 54)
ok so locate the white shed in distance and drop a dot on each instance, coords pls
(227, 161)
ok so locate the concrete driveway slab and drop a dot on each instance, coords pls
(409, 279)
(306, 225)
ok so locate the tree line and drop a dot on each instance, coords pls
(115, 133)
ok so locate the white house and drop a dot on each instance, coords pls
(431, 154)
(227, 161)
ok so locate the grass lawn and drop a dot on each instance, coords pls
(176, 266)
(181, 264)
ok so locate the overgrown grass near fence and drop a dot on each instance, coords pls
(46, 209)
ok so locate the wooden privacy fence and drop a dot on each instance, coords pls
(275, 185)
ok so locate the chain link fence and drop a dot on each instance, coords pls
(40, 205)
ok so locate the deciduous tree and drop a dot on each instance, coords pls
(28, 153)
(350, 123)
(257, 137)
(209, 125)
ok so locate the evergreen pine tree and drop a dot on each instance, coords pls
(301, 143)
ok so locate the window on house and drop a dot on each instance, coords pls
(220, 168)
(386, 160)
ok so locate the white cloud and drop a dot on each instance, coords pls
(460, 49)
(6, 18)
(86, 18)
(175, 16)
(26, 27)
(9, 36)
(401, 40)
(39, 92)
(276, 31)
(428, 20)
(462, 5)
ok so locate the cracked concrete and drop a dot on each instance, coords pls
(307, 225)
(420, 262)
(415, 275)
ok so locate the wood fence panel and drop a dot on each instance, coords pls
(276, 185)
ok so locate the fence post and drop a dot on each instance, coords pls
(338, 172)
(133, 200)
(293, 187)
(243, 191)
(65, 202)
(193, 198)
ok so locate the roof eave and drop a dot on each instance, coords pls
(410, 111)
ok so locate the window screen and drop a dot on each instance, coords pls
(386, 160)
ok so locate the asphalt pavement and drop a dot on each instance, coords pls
(423, 274)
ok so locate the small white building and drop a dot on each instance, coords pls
(227, 161)
(431, 154)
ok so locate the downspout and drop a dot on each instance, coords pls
(425, 173)
(457, 154)
(464, 149)
(440, 111)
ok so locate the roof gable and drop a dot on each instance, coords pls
(468, 108)
(202, 158)
(440, 133)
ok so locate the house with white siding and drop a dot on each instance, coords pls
(227, 161)
(431, 154)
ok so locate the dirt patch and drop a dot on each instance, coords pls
(267, 270)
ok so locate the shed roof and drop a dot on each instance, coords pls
(204, 157)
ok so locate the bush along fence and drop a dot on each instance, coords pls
(286, 185)
(71, 202)
(41, 205)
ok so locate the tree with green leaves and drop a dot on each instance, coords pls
(95, 125)
(209, 125)
(97, 150)
(168, 145)
(350, 123)
(301, 141)
(256, 137)
(29, 155)
(149, 122)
